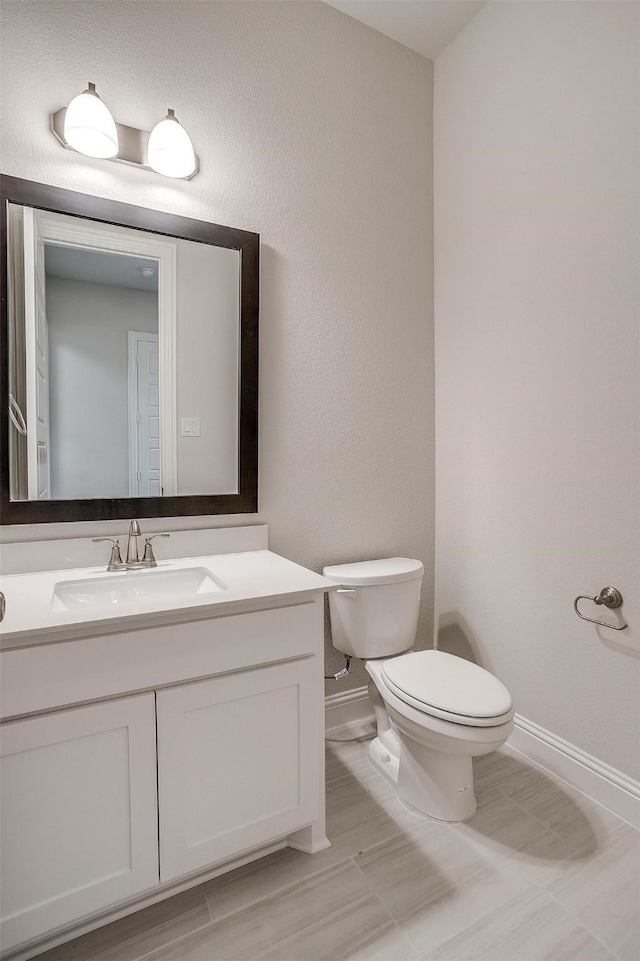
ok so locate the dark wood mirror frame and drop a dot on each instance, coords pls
(126, 215)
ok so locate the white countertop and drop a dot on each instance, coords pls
(254, 579)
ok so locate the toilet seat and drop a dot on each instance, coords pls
(448, 687)
(428, 759)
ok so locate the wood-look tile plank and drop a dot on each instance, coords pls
(248, 934)
(577, 819)
(359, 932)
(348, 757)
(544, 858)
(362, 815)
(140, 933)
(530, 926)
(501, 825)
(500, 768)
(604, 892)
(264, 877)
(408, 873)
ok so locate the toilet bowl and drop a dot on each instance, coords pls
(434, 711)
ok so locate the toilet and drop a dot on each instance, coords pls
(434, 711)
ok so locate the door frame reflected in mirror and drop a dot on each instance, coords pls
(57, 200)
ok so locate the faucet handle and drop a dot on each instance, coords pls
(115, 561)
(148, 557)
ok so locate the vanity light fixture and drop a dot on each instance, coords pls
(89, 127)
(170, 151)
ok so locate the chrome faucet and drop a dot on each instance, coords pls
(148, 559)
(133, 560)
(115, 561)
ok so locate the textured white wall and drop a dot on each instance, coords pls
(314, 131)
(536, 161)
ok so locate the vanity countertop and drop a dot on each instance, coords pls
(251, 580)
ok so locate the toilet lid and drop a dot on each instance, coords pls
(447, 683)
(387, 570)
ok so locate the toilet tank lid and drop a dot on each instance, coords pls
(387, 570)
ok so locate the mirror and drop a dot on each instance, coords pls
(129, 370)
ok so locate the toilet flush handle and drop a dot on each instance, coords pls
(349, 591)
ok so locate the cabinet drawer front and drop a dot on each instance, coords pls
(237, 763)
(41, 678)
(79, 814)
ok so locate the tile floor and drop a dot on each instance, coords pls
(539, 873)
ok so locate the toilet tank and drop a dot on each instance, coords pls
(375, 614)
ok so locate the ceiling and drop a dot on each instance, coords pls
(426, 26)
(99, 267)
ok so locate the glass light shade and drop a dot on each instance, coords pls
(89, 127)
(170, 151)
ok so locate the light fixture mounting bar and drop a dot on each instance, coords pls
(132, 143)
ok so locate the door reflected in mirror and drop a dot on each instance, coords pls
(124, 361)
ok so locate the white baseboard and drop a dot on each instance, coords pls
(347, 706)
(599, 781)
(594, 778)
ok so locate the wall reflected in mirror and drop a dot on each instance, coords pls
(123, 361)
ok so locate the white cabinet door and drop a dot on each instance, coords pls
(237, 763)
(79, 814)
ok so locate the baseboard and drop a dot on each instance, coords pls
(347, 706)
(594, 778)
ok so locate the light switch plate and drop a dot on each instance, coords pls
(190, 427)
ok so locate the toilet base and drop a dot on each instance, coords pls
(439, 786)
(431, 782)
(384, 762)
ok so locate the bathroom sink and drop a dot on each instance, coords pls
(124, 587)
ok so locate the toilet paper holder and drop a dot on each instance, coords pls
(610, 597)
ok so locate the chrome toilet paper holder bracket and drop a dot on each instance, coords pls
(610, 597)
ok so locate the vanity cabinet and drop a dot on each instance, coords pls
(79, 813)
(152, 759)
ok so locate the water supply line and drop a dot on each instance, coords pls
(346, 670)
